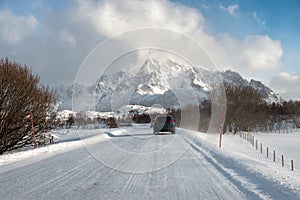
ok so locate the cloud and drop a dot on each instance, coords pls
(54, 46)
(205, 6)
(253, 53)
(231, 10)
(288, 85)
(15, 28)
(67, 37)
(261, 52)
(284, 80)
(261, 23)
(117, 16)
(61, 40)
(114, 17)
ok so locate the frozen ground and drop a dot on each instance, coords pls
(133, 164)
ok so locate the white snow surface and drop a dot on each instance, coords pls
(64, 114)
(70, 169)
(65, 140)
(286, 144)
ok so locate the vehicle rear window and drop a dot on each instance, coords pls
(163, 119)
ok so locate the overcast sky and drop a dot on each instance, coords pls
(258, 39)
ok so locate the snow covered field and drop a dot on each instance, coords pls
(87, 164)
(245, 154)
(287, 144)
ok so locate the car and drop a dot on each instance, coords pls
(164, 123)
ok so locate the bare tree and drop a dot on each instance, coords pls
(21, 93)
(295, 113)
(288, 110)
(245, 109)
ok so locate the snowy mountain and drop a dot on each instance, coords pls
(156, 82)
(265, 92)
(235, 79)
(159, 82)
(64, 95)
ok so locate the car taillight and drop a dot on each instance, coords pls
(171, 121)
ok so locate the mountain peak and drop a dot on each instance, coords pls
(234, 79)
(155, 80)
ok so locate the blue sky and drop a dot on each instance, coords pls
(258, 38)
(278, 19)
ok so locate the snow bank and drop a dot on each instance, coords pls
(54, 148)
(65, 140)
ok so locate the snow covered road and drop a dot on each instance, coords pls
(134, 164)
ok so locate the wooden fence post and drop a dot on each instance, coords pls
(267, 152)
(221, 130)
(44, 138)
(33, 133)
(52, 139)
(261, 150)
(292, 165)
(274, 158)
(256, 144)
(282, 160)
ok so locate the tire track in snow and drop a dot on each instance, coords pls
(176, 181)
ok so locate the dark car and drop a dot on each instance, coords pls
(163, 123)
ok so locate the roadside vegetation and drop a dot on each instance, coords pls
(247, 111)
(22, 95)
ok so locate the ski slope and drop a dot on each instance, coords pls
(134, 164)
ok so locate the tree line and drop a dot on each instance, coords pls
(246, 110)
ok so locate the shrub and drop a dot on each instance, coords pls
(21, 93)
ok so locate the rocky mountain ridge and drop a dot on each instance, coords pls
(158, 82)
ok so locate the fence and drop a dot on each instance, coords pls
(264, 150)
